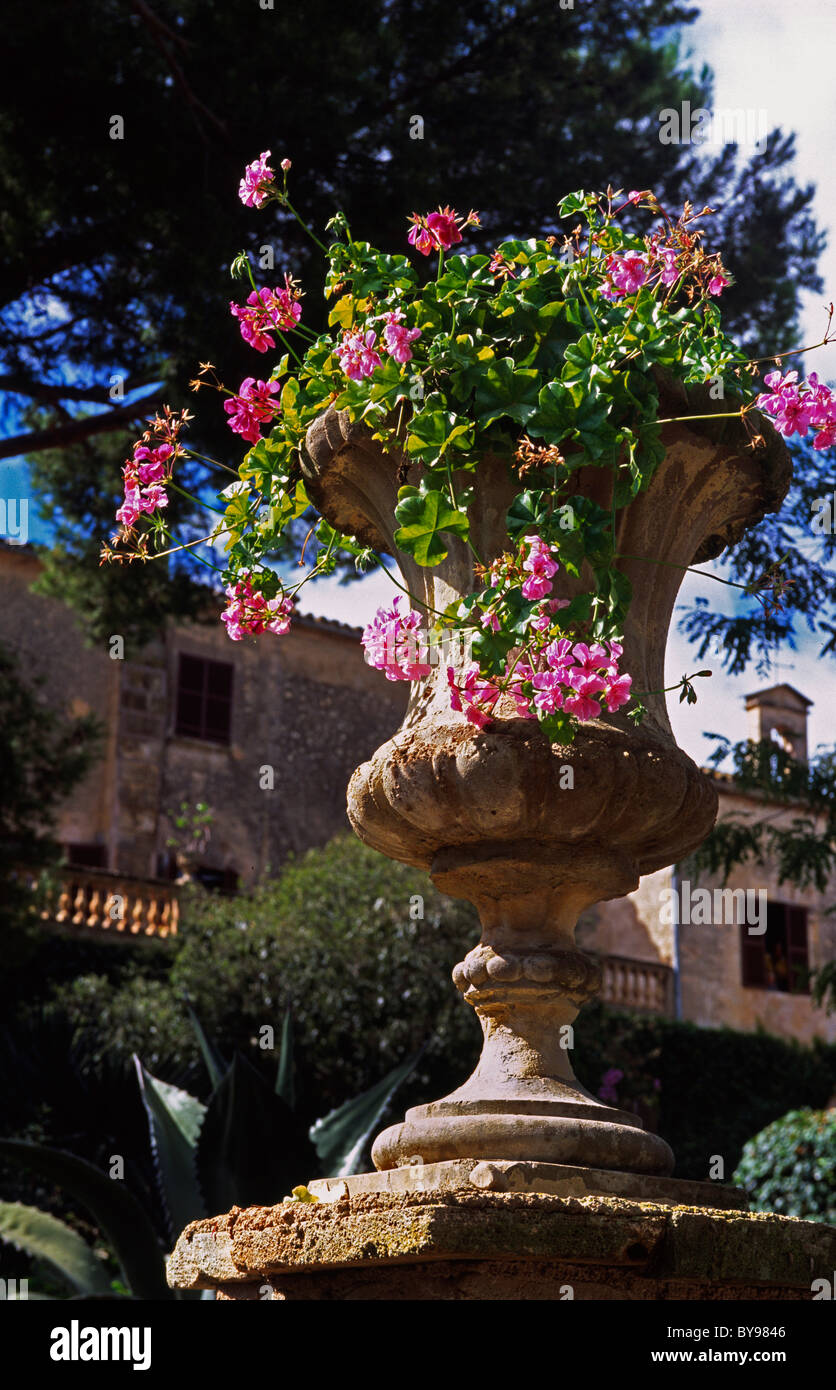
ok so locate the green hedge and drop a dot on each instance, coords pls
(716, 1087)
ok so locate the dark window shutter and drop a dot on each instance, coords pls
(204, 699)
(797, 952)
(752, 959)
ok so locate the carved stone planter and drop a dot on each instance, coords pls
(521, 1184)
(489, 813)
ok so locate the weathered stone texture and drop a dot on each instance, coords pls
(501, 1245)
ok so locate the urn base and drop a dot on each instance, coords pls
(540, 1132)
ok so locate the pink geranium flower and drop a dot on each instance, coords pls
(144, 473)
(251, 189)
(474, 696)
(249, 613)
(717, 283)
(549, 687)
(438, 231)
(541, 569)
(357, 354)
(251, 407)
(266, 310)
(624, 275)
(397, 337)
(617, 693)
(396, 644)
(581, 703)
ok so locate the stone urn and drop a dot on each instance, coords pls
(494, 816)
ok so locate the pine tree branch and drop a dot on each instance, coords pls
(56, 391)
(61, 436)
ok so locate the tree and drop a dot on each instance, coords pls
(116, 235)
(42, 757)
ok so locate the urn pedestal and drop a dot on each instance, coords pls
(534, 834)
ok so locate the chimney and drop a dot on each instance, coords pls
(780, 713)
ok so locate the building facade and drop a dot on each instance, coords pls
(265, 732)
(738, 954)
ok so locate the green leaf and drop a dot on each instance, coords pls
(340, 1138)
(572, 203)
(507, 390)
(213, 1061)
(252, 1149)
(174, 1121)
(46, 1238)
(423, 515)
(113, 1206)
(433, 430)
(555, 412)
(530, 511)
(286, 1071)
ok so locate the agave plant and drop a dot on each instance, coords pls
(246, 1146)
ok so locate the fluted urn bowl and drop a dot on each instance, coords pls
(493, 814)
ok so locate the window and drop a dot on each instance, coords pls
(204, 699)
(778, 959)
(87, 856)
(217, 880)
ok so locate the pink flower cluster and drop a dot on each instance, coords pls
(266, 310)
(397, 336)
(575, 679)
(534, 559)
(144, 474)
(625, 274)
(359, 351)
(251, 189)
(796, 409)
(249, 613)
(438, 231)
(541, 569)
(475, 696)
(395, 644)
(576, 674)
(251, 407)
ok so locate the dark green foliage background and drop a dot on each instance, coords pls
(368, 985)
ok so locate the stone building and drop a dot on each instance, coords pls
(266, 732)
(738, 957)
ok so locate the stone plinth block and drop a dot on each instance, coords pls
(500, 1245)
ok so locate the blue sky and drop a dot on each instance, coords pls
(766, 55)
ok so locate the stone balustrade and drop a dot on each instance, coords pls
(100, 900)
(637, 984)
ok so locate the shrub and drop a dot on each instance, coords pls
(790, 1167)
(358, 947)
